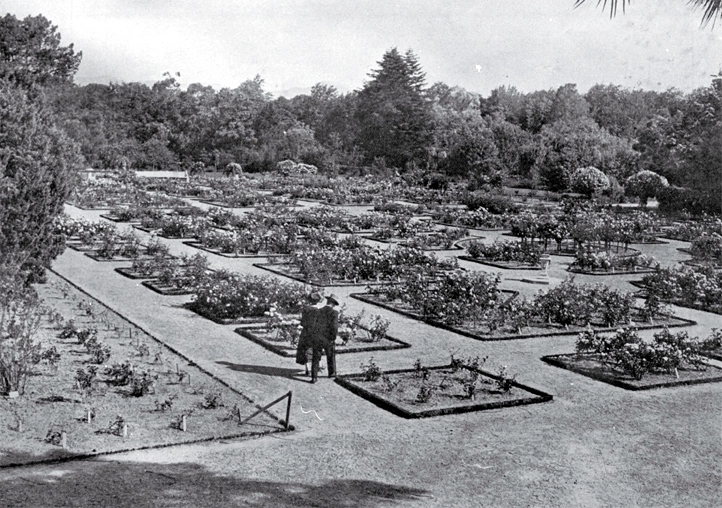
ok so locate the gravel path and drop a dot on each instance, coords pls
(594, 445)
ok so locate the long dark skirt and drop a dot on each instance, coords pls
(302, 350)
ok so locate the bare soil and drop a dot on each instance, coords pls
(31, 425)
(590, 365)
(446, 388)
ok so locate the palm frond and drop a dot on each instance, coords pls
(711, 10)
(613, 5)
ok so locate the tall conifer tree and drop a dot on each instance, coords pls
(393, 113)
(37, 160)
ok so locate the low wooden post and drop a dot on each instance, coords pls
(261, 410)
(288, 410)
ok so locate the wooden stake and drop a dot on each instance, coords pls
(20, 425)
(288, 410)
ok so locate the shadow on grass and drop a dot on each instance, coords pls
(101, 483)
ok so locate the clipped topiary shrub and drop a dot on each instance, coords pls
(588, 181)
(645, 185)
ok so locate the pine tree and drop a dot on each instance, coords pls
(394, 116)
(31, 54)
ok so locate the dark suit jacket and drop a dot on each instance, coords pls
(328, 323)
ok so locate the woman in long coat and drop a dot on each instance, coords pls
(309, 329)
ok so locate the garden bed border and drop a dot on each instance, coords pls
(267, 267)
(126, 271)
(114, 218)
(346, 381)
(196, 245)
(151, 284)
(365, 298)
(124, 259)
(224, 321)
(248, 334)
(556, 362)
(624, 272)
(156, 231)
(498, 264)
(448, 225)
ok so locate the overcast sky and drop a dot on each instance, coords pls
(477, 44)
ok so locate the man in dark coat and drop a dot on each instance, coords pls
(328, 327)
(309, 330)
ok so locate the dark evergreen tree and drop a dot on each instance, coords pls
(37, 171)
(31, 54)
(393, 113)
(37, 160)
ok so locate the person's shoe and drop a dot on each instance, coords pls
(314, 380)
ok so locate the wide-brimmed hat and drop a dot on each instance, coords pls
(315, 297)
(332, 299)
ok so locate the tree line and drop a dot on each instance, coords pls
(394, 122)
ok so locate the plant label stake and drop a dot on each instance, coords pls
(20, 425)
(90, 415)
(125, 430)
(64, 440)
(183, 423)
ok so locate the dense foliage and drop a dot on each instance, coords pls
(227, 295)
(627, 351)
(396, 124)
